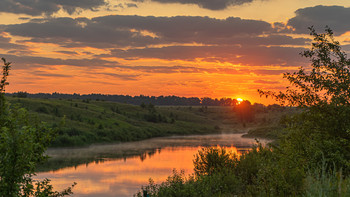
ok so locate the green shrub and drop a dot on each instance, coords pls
(209, 160)
(223, 183)
(324, 182)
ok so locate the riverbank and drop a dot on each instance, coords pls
(89, 122)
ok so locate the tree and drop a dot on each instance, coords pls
(327, 82)
(244, 112)
(322, 131)
(22, 147)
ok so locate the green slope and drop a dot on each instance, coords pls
(88, 121)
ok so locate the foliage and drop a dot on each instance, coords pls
(20, 94)
(323, 182)
(210, 160)
(245, 112)
(327, 82)
(223, 183)
(3, 83)
(323, 90)
(22, 147)
(138, 100)
(44, 189)
(256, 173)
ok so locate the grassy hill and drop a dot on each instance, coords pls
(95, 121)
(90, 121)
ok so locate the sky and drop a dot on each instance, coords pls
(191, 48)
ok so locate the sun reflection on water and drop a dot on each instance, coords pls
(125, 176)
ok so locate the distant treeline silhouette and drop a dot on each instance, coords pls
(135, 100)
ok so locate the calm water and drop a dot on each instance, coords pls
(121, 169)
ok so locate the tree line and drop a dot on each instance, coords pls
(135, 100)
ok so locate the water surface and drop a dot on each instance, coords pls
(121, 169)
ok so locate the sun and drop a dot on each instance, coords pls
(239, 100)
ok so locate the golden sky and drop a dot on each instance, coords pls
(201, 48)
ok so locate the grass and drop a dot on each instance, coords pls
(89, 121)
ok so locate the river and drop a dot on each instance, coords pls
(121, 169)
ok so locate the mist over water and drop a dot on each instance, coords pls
(121, 169)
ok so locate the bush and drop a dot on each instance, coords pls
(323, 182)
(210, 160)
(222, 183)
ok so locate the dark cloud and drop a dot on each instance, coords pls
(130, 5)
(266, 82)
(209, 4)
(81, 32)
(161, 69)
(48, 7)
(193, 69)
(47, 74)
(33, 64)
(118, 6)
(269, 72)
(190, 69)
(346, 47)
(335, 17)
(126, 77)
(124, 5)
(24, 18)
(137, 31)
(178, 69)
(233, 40)
(250, 55)
(5, 43)
(67, 52)
(28, 62)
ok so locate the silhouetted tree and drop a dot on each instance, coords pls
(244, 112)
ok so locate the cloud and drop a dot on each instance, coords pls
(234, 40)
(120, 31)
(48, 74)
(269, 72)
(48, 7)
(130, 5)
(209, 4)
(194, 69)
(178, 69)
(67, 52)
(249, 55)
(80, 32)
(116, 31)
(5, 43)
(126, 77)
(29, 62)
(266, 82)
(336, 17)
